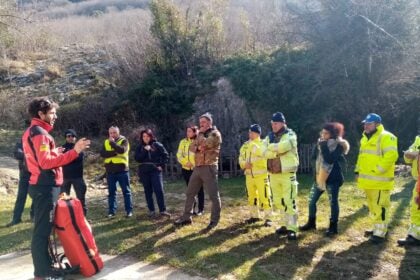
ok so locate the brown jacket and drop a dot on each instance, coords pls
(207, 147)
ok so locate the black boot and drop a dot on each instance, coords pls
(332, 230)
(311, 224)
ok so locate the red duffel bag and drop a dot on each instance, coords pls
(75, 235)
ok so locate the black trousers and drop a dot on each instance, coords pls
(21, 197)
(79, 186)
(200, 196)
(43, 199)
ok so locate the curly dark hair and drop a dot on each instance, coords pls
(149, 132)
(42, 104)
(336, 129)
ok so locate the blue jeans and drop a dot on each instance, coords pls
(316, 193)
(123, 178)
(153, 183)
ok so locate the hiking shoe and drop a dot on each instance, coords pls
(282, 230)
(165, 214)
(211, 225)
(252, 220)
(268, 223)
(111, 215)
(181, 223)
(368, 233)
(311, 224)
(376, 239)
(13, 223)
(408, 241)
(291, 235)
(129, 215)
(199, 213)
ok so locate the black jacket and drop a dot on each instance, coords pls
(150, 160)
(75, 168)
(20, 156)
(336, 158)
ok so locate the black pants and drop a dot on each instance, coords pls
(200, 196)
(21, 197)
(79, 186)
(43, 198)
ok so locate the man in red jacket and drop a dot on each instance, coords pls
(44, 162)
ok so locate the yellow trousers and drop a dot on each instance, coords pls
(284, 187)
(414, 229)
(379, 202)
(258, 191)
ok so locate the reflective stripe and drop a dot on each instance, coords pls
(380, 230)
(291, 221)
(375, 178)
(380, 169)
(371, 152)
(259, 172)
(414, 231)
(389, 149)
(378, 144)
(288, 169)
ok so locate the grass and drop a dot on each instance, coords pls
(238, 251)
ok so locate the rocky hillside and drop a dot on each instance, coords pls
(73, 72)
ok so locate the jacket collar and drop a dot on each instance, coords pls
(41, 123)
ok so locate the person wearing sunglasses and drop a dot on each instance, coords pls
(73, 172)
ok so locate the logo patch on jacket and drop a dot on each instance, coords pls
(44, 148)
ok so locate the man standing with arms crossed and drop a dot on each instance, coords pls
(44, 161)
(375, 173)
(206, 148)
(115, 151)
(282, 167)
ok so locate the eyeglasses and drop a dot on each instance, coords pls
(70, 136)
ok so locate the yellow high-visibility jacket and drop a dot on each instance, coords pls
(119, 158)
(284, 147)
(252, 151)
(184, 155)
(376, 161)
(414, 162)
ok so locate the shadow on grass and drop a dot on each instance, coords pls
(284, 263)
(361, 261)
(17, 236)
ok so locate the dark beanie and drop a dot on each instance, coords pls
(70, 132)
(278, 117)
(255, 128)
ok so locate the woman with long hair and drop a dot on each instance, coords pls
(329, 157)
(186, 158)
